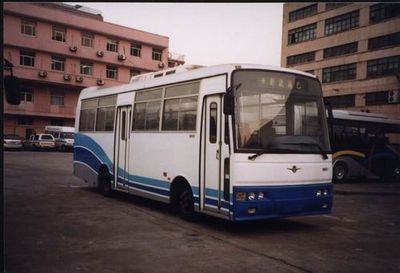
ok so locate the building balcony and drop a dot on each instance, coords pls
(36, 109)
(59, 77)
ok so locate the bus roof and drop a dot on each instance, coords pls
(178, 74)
(362, 116)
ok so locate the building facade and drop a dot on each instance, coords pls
(353, 48)
(58, 49)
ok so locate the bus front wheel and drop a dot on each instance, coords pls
(340, 172)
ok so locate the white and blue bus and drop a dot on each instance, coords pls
(236, 141)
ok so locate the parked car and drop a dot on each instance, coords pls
(64, 137)
(40, 141)
(12, 141)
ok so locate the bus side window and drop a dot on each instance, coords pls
(213, 122)
(123, 121)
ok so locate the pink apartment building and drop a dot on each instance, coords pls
(58, 49)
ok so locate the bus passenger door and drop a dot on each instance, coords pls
(121, 151)
(213, 156)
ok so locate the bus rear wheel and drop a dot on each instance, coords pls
(186, 205)
(340, 172)
(104, 183)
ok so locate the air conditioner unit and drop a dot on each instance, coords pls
(100, 82)
(79, 79)
(160, 65)
(100, 53)
(394, 96)
(73, 48)
(67, 77)
(121, 57)
(42, 74)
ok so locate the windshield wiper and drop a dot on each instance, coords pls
(252, 157)
(324, 155)
(269, 148)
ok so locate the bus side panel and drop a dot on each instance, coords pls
(90, 152)
(157, 158)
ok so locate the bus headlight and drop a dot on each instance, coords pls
(325, 192)
(251, 196)
(319, 192)
(240, 196)
(260, 196)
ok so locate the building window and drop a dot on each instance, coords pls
(339, 73)
(59, 34)
(380, 12)
(157, 54)
(112, 72)
(133, 73)
(57, 63)
(303, 13)
(28, 27)
(342, 23)
(341, 101)
(302, 34)
(330, 6)
(384, 41)
(382, 97)
(86, 68)
(57, 99)
(56, 122)
(340, 50)
(383, 67)
(301, 58)
(25, 121)
(27, 58)
(112, 45)
(87, 39)
(26, 95)
(136, 49)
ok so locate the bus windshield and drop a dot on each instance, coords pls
(278, 112)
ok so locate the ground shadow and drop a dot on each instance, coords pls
(285, 225)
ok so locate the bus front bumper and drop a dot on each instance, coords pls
(282, 201)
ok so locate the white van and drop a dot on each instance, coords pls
(64, 137)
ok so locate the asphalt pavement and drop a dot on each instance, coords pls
(54, 223)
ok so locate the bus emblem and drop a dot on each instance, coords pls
(294, 169)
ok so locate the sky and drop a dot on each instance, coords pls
(206, 33)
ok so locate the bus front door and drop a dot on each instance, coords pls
(121, 151)
(214, 153)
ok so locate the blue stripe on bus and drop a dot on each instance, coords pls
(143, 187)
(90, 144)
(87, 157)
(91, 152)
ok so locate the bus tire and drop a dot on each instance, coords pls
(394, 172)
(340, 172)
(186, 204)
(104, 183)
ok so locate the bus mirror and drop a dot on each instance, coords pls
(228, 103)
(11, 88)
